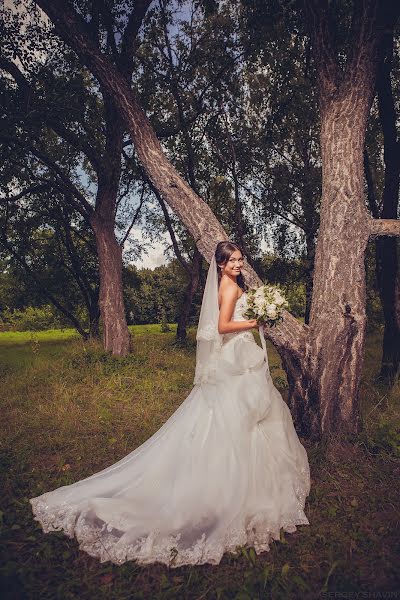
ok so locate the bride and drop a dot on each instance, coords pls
(226, 470)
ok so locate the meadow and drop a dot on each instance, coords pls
(69, 410)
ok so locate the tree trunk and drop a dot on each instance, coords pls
(387, 269)
(387, 265)
(94, 319)
(336, 337)
(309, 274)
(190, 291)
(338, 317)
(116, 338)
(334, 348)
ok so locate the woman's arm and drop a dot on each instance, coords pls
(228, 301)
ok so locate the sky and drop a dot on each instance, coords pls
(155, 255)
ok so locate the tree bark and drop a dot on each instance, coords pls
(116, 338)
(309, 274)
(337, 317)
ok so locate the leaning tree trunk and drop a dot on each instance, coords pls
(116, 338)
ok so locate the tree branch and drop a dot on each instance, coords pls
(171, 232)
(76, 141)
(135, 216)
(371, 193)
(373, 23)
(31, 189)
(129, 38)
(80, 204)
(384, 227)
(74, 321)
(16, 74)
(322, 45)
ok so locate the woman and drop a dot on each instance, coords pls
(226, 470)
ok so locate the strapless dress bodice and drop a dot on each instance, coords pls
(240, 308)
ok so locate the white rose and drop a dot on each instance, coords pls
(271, 311)
(259, 303)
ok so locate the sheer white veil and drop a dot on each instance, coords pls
(209, 341)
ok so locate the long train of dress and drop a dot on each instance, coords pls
(226, 470)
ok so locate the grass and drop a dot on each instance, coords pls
(68, 410)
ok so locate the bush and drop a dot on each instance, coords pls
(32, 318)
(295, 294)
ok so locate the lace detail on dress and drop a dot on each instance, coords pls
(97, 540)
(207, 373)
(206, 333)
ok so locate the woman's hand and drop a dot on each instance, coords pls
(253, 324)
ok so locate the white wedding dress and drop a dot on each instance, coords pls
(226, 470)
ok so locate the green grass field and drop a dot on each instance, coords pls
(69, 410)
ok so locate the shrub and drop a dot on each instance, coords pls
(32, 318)
(295, 294)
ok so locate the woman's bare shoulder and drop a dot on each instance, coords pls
(228, 290)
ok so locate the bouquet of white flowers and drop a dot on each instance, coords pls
(266, 304)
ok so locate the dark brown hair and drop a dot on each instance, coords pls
(223, 252)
